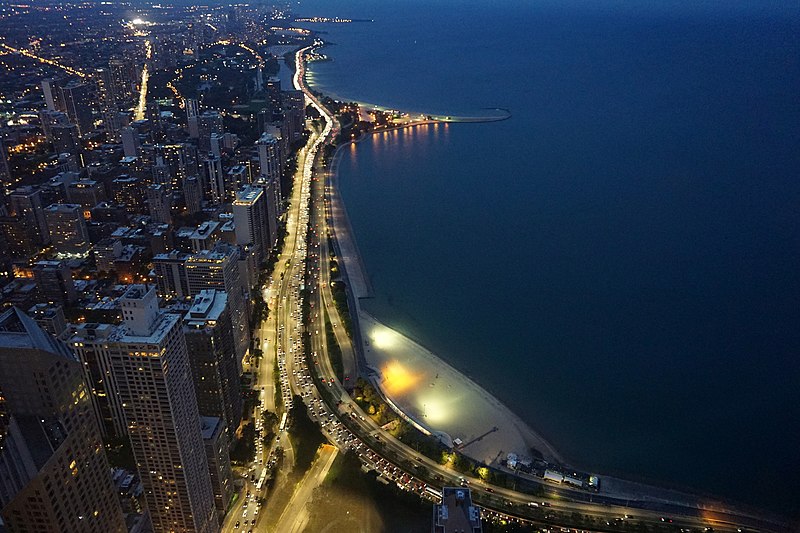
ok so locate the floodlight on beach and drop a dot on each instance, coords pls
(383, 338)
(397, 378)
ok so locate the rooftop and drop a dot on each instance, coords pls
(207, 305)
(456, 514)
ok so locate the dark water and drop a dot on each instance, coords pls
(619, 261)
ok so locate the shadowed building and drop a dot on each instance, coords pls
(212, 356)
(54, 475)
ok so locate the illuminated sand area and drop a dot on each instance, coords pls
(442, 399)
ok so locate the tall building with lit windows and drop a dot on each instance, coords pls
(92, 343)
(150, 364)
(54, 474)
(250, 217)
(212, 354)
(269, 159)
(67, 228)
(219, 269)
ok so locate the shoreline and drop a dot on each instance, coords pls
(359, 283)
(620, 484)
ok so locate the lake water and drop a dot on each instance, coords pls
(618, 262)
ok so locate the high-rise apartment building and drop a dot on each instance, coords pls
(212, 356)
(121, 82)
(54, 281)
(92, 343)
(192, 110)
(207, 123)
(130, 141)
(159, 203)
(216, 179)
(26, 204)
(150, 364)
(5, 169)
(294, 113)
(170, 270)
(52, 95)
(66, 139)
(250, 217)
(193, 194)
(78, 103)
(272, 203)
(217, 444)
(48, 119)
(67, 228)
(219, 269)
(54, 474)
(269, 158)
(273, 89)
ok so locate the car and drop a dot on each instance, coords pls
(489, 489)
(236, 525)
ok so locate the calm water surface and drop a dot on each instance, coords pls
(619, 261)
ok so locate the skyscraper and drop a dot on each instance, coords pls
(216, 143)
(170, 269)
(67, 228)
(78, 99)
(294, 113)
(48, 119)
(121, 78)
(207, 123)
(273, 87)
(90, 341)
(151, 368)
(159, 204)
(52, 95)
(26, 204)
(269, 158)
(218, 456)
(216, 179)
(5, 170)
(193, 194)
(65, 139)
(212, 356)
(130, 141)
(54, 475)
(219, 269)
(54, 281)
(192, 110)
(272, 204)
(250, 217)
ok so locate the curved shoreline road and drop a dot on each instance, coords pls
(340, 413)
